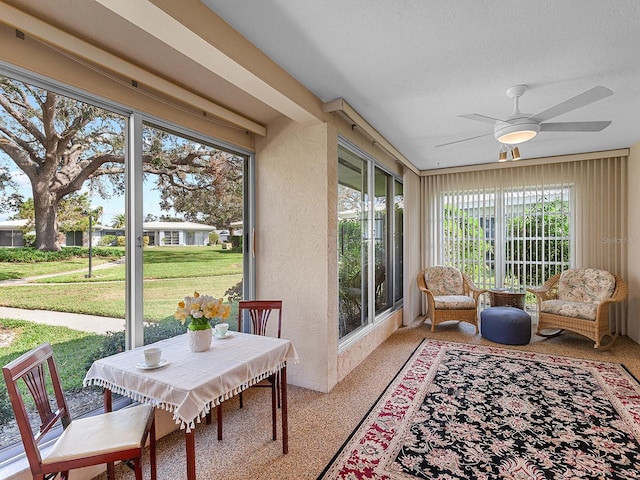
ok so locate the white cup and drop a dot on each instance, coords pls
(221, 329)
(152, 356)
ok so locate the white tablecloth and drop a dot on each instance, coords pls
(192, 383)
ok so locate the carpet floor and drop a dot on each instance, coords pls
(459, 411)
(320, 423)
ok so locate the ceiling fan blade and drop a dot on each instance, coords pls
(574, 126)
(463, 140)
(585, 98)
(481, 118)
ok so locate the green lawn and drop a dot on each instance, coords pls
(10, 270)
(70, 347)
(170, 273)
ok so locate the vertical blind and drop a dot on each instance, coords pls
(575, 213)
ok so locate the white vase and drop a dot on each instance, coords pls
(199, 340)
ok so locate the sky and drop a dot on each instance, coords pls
(111, 207)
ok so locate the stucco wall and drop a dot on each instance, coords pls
(296, 257)
(294, 182)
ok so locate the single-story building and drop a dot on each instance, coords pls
(11, 233)
(177, 233)
(159, 233)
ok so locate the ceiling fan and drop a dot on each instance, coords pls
(521, 127)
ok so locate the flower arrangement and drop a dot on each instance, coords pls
(201, 310)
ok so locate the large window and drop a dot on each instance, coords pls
(369, 240)
(523, 221)
(139, 201)
(510, 238)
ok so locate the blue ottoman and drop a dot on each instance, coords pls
(508, 325)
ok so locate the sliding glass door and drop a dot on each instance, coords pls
(109, 219)
(192, 195)
(369, 240)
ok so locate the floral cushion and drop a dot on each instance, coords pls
(454, 302)
(444, 281)
(588, 285)
(585, 310)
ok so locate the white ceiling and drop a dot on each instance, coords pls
(411, 67)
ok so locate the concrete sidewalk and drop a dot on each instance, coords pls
(28, 280)
(76, 321)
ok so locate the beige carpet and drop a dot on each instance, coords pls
(320, 423)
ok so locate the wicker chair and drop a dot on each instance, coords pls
(578, 300)
(451, 295)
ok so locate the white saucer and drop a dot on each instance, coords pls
(144, 366)
(221, 337)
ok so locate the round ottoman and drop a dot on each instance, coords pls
(508, 325)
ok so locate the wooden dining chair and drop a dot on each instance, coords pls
(93, 440)
(259, 312)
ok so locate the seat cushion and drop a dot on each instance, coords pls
(105, 433)
(444, 281)
(588, 285)
(454, 302)
(507, 325)
(582, 310)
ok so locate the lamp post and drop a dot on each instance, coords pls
(90, 242)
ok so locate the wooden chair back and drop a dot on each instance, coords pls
(99, 439)
(259, 312)
(29, 375)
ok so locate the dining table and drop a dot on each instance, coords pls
(191, 384)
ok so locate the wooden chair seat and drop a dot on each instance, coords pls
(93, 440)
(100, 435)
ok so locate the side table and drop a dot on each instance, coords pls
(504, 297)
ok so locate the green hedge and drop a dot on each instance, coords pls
(32, 255)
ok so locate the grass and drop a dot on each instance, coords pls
(70, 347)
(170, 273)
(11, 271)
(166, 262)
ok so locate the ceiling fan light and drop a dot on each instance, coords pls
(516, 131)
(515, 153)
(514, 138)
(502, 156)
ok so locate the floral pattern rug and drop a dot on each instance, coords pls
(458, 411)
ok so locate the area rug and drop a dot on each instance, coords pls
(458, 411)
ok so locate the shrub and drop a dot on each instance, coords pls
(236, 241)
(235, 293)
(108, 240)
(120, 240)
(114, 341)
(6, 411)
(32, 255)
(29, 239)
(213, 238)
